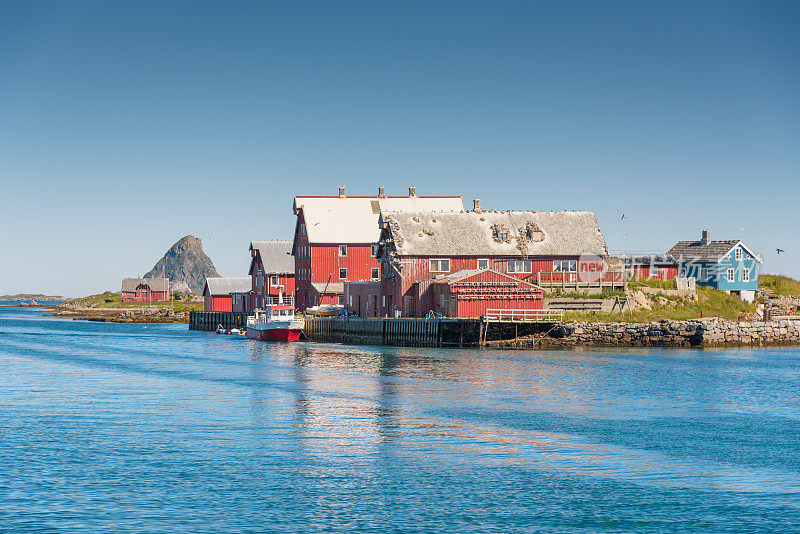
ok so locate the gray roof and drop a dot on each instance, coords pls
(226, 286)
(156, 284)
(475, 233)
(276, 256)
(694, 251)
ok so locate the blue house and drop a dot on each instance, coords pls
(729, 266)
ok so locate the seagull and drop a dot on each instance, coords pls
(780, 251)
(623, 217)
(626, 236)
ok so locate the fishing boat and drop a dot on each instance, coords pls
(274, 323)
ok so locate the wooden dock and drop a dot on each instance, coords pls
(209, 321)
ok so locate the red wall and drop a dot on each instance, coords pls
(667, 272)
(466, 299)
(364, 299)
(144, 295)
(417, 269)
(221, 303)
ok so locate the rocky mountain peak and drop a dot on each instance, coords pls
(185, 262)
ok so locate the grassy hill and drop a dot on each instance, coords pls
(114, 300)
(781, 285)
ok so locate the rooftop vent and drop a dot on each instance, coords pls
(412, 191)
(381, 194)
(476, 205)
(705, 238)
(341, 192)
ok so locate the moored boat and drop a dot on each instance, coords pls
(274, 323)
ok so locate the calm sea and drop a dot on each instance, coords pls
(152, 428)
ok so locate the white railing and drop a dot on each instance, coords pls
(530, 316)
(288, 300)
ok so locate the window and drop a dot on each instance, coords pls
(483, 264)
(383, 300)
(653, 270)
(440, 266)
(374, 251)
(746, 275)
(342, 250)
(739, 254)
(731, 275)
(350, 299)
(273, 280)
(565, 266)
(519, 266)
(342, 274)
(302, 228)
(375, 273)
(341, 300)
(704, 274)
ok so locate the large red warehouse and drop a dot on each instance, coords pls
(335, 240)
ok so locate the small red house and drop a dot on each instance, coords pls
(145, 289)
(658, 266)
(471, 292)
(272, 272)
(218, 293)
(335, 240)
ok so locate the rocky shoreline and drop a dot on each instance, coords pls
(118, 315)
(713, 332)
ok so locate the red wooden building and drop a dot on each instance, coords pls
(335, 240)
(272, 273)
(363, 298)
(416, 247)
(145, 289)
(218, 293)
(471, 292)
(658, 266)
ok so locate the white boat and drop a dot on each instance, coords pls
(275, 323)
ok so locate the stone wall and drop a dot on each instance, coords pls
(693, 333)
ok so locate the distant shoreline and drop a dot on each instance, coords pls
(29, 297)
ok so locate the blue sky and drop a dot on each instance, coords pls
(126, 125)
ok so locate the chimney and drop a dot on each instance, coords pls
(705, 239)
(412, 191)
(341, 192)
(476, 205)
(381, 194)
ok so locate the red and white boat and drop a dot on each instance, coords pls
(274, 323)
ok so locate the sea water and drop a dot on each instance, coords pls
(154, 428)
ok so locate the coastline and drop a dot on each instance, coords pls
(117, 315)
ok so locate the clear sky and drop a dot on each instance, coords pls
(127, 125)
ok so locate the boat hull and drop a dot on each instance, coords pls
(275, 331)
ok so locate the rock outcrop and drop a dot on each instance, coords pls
(185, 262)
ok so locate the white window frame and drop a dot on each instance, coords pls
(374, 250)
(478, 264)
(731, 274)
(653, 269)
(274, 280)
(340, 299)
(526, 266)
(340, 273)
(745, 275)
(342, 248)
(437, 265)
(739, 254)
(375, 273)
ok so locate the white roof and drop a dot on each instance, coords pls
(562, 233)
(355, 219)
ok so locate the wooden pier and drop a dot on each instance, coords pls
(421, 332)
(209, 321)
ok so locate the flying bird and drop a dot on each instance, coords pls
(623, 217)
(780, 251)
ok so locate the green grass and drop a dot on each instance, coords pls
(653, 282)
(781, 285)
(114, 300)
(711, 303)
(606, 293)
